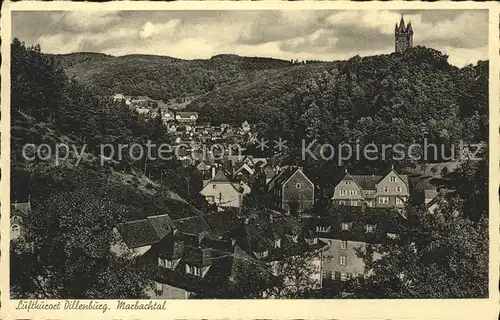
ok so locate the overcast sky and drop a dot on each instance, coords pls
(287, 34)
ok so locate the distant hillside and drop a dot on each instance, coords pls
(371, 98)
(162, 77)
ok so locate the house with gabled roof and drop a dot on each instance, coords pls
(188, 266)
(291, 190)
(223, 191)
(388, 190)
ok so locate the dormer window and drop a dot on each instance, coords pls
(322, 228)
(370, 228)
(169, 264)
(261, 254)
(193, 270)
(345, 226)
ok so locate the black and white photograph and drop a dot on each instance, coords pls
(248, 154)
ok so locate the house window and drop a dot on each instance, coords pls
(343, 276)
(261, 254)
(386, 189)
(322, 228)
(343, 245)
(343, 260)
(341, 202)
(398, 189)
(353, 192)
(312, 241)
(354, 202)
(214, 186)
(298, 186)
(343, 192)
(399, 201)
(345, 226)
(15, 231)
(348, 182)
(193, 270)
(369, 203)
(370, 228)
(392, 179)
(383, 200)
(169, 264)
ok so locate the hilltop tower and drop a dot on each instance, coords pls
(403, 36)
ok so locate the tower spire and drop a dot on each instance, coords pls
(403, 35)
(402, 24)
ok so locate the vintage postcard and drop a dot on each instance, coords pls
(234, 160)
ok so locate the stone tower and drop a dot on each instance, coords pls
(403, 36)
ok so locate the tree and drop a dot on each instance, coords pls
(440, 255)
(66, 251)
(295, 275)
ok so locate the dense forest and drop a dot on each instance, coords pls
(412, 94)
(162, 78)
(382, 99)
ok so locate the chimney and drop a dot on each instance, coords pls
(213, 171)
(233, 242)
(178, 248)
(345, 170)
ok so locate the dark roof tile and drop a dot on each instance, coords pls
(138, 233)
